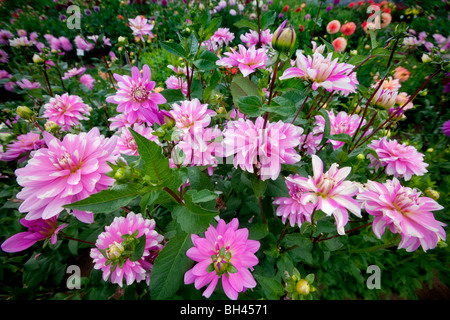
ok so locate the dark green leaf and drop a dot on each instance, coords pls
(272, 288)
(250, 105)
(139, 249)
(174, 48)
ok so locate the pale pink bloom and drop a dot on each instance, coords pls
(24, 144)
(105, 41)
(235, 114)
(135, 97)
(223, 36)
(401, 99)
(5, 35)
(210, 44)
(65, 172)
(399, 160)
(247, 60)
(27, 84)
(411, 42)
(20, 42)
(252, 38)
(323, 72)
(66, 110)
(87, 80)
(329, 192)
(38, 230)
(348, 28)
(388, 83)
(296, 208)
(190, 115)
(320, 49)
(226, 254)
(385, 98)
(311, 142)
(265, 149)
(111, 249)
(3, 56)
(121, 121)
(22, 33)
(126, 143)
(333, 27)
(180, 70)
(54, 43)
(340, 123)
(73, 72)
(140, 27)
(83, 44)
(339, 44)
(5, 75)
(401, 74)
(174, 82)
(34, 37)
(403, 210)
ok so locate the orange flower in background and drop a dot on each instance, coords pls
(349, 28)
(333, 27)
(401, 74)
(120, 17)
(339, 44)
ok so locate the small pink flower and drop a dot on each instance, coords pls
(88, 81)
(140, 27)
(24, 144)
(252, 38)
(28, 85)
(339, 44)
(121, 121)
(190, 115)
(126, 143)
(3, 56)
(399, 160)
(174, 82)
(403, 210)
(5, 35)
(247, 60)
(66, 110)
(83, 44)
(333, 27)
(226, 254)
(223, 36)
(73, 72)
(5, 75)
(348, 28)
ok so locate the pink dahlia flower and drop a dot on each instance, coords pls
(38, 230)
(83, 44)
(385, 98)
(140, 27)
(265, 149)
(26, 84)
(88, 81)
(339, 44)
(223, 36)
(120, 121)
(115, 247)
(333, 27)
(64, 172)
(24, 144)
(174, 82)
(65, 43)
(401, 99)
(403, 210)
(135, 97)
(310, 142)
(402, 74)
(126, 143)
(446, 128)
(329, 192)
(3, 56)
(297, 208)
(5, 35)
(226, 254)
(191, 115)
(348, 28)
(399, 160)
(247, 60)
(73, 72)
(252, 38)
(323, 72)
(66, 110)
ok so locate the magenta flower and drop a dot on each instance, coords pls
(323, 72)
(3, 56)
(252, 38)
(403, 210)
(135, 97)
(88, 81)
(140, 27)
(329, 192)
(446, 128)
(65, 43)
(191, 115)
(114, 249)
(73, 72)
(38, 230)
(226, 254)
(66, 110)
(24, 144)
(265, 149)
(247, 60)
(64, 172)
(83, 44)
(399, 160)
(5, 35)
(296, 208)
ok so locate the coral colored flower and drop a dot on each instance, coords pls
(247, 60)
(348, 28)
(126, 143)
(265, 149)
(73, 72)
(401, 99)
(190, 115)
(446, 128)
(339, 44)
(401, 74)
(66, 110)
(223, 36)
(140, 27)
(252, 38)
(296, 208)
(38, 230)
(323, 72)
(135, 97)
(112, 256)
(388, 84)
(403, 210)
(329, 192)
(386, 19)
(88, 81)
(399, 160)
(333, 27)
(64, 172)
(174, 82)
(226, 254)
(24, 143)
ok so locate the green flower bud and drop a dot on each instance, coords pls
(24, 112)
(302, 287)
(283, 39)
(433, 194)
(51, 126)
(360, 156)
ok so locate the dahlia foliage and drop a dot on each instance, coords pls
(226, 161)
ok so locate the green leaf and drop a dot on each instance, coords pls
(272, 288)
(327, 128)
(206, 61)
(245, 23)
(212, 27)
(259, 186)
(250, 105)
(281, 106)
(173, 95)
(268, 19)
(107, 200)
(204, 195)
(243, 87)
(344, 137)
(139, 249)
(198, 179)
(156, 165)
(170, 266)
(303, 249)
(174, 48)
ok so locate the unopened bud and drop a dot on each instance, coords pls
(302, 287)
(283, 39)
(360, 156)
(51, 126)
(433, 194)
(114, 251)
(24, 112)
(37, 58)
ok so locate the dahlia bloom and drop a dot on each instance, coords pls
(140, 27)
(5, 35)
(5, 75)
(403, 210)
(401, 74)
(399, 160)
(88, 81)
(329, 192)
(83, 44)
(388, 83)
(384, 98)
(174, 82)
(126, 143)
(247, 60)
(265, 149)
(296, 208)
(191, 115)
(339, 44)
(24, 143)
(348, 28)
(446, 128)
(323, 72)
(135, 97)
(252, 38)
(20, 42)
(65, 43)
(66, 110)
(28, 85)
(38, 230)
(401, 99)
(311, 141)
(121, 121)
(333, 27)
(64, 172)
(73, 72)
(112, 256)
(223, 36)
(226, 254)
(3, 56)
